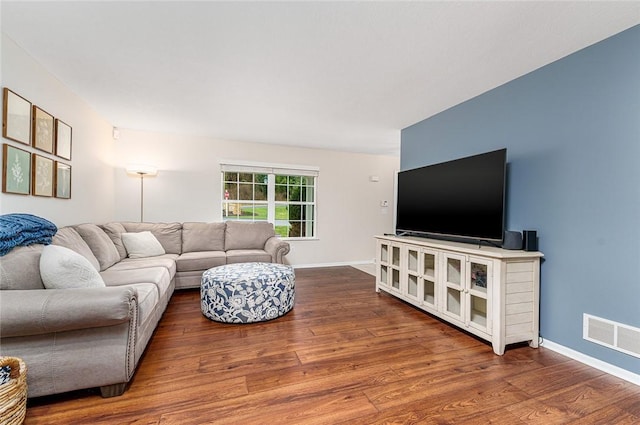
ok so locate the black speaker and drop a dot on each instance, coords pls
(512, 240)
(530, 240)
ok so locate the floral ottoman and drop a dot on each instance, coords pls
(247, 292)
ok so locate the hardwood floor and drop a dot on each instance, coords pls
(343, 355)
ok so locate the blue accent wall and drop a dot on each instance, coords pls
(572, 133)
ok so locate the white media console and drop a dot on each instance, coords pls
(490, 292)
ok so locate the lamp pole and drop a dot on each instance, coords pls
(142, 171)
(141, 196)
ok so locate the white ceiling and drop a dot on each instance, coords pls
(337, 75)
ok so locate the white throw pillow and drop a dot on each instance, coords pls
(62, 268)
(141, 245)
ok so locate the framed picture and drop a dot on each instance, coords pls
(42, 130)
(16, 170)
(63, 181)
(16, 118)
(41, 176)
(63, 140)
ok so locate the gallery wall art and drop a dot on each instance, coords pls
(16, 118)
(32, 167)
(42, 130)
(62, 180)
(16, 170)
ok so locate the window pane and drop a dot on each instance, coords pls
(281, 179)
(245, 191)
(282, 231)
(294, 180)
(246, 177)
(307, 194)
(295, 212)
(260, 212)
(231, 189)
(282, 212)
(233, 209)
(294, 193)
(231, 177)
(261, 178)
(247, 212)
(281, 193)
(308, 212)
(228, 212)
(260, 192)
(294, 230)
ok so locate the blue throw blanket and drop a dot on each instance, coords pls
(24, 229)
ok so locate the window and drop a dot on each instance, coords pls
(295, 205)
(245, 196)
(283, 196)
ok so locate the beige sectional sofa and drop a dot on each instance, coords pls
(94, 337)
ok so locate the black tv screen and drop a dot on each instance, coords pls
(463, 198)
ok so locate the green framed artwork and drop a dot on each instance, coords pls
(63, 181)
(16, 170)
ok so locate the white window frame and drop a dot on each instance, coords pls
(271, 170)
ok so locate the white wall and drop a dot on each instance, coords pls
(187, 188)
(188, 185)
(92, 188)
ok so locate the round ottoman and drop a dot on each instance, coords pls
(247, 292)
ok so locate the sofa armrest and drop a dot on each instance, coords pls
(34, 312)
(277, 248)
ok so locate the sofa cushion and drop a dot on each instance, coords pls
(100, 244)
(159, 276)
(248, 256)
(168, 234)
(142, 245)
(200, 260)
(114, 231)
(69, 238)
(62, 268)
(149, 312)
(247, 235)
(20, 268)
(147, 297)
(203, 236)
(168, 261)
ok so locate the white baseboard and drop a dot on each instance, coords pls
(340, 264)
(593, 362)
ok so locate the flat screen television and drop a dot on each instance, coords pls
(460, 199)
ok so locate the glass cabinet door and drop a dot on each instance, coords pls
(395, 256)
(395, 279)
(413, 257)
(479, 282)
(384, 253)
(383, 263)
(395, 267)
(454, 302)
(429, 278)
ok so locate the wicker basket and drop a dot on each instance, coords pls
(13, 394)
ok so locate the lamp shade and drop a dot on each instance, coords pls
(141, 169)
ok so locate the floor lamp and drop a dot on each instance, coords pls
(142, 171)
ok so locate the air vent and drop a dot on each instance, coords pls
(612, 334)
